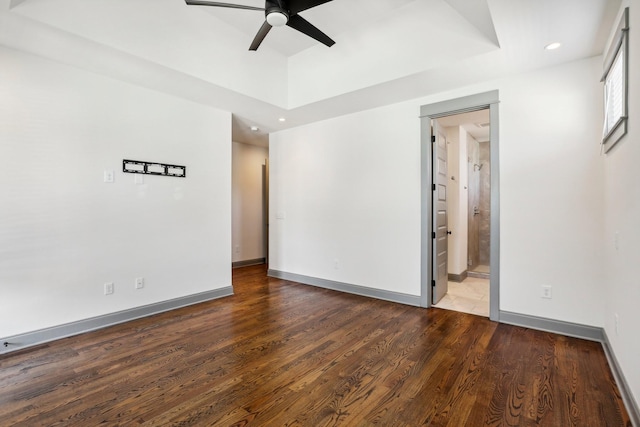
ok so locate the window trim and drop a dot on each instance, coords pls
(619, 47)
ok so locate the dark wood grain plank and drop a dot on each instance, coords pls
(282, 354)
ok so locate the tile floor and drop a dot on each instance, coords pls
(469, 296)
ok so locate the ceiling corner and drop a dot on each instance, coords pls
(14, 3)
(478, 14)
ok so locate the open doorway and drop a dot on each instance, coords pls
(435, 187)
(250, 196)
(467, 183)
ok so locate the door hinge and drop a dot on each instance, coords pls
(433, 138)
(433, 187)
(433, 283)
(433, 234)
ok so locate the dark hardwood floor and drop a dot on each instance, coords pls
(282, 354)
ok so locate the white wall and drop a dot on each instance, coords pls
(247, 234)
(620, 290)
(350, 189)
(463, 201)
(551, 193)
(64, 233)
(345, 199)
(457, 200)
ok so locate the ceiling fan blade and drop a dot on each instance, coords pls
(299, 23)
(262, 33)
(218, 4)
(296, 6)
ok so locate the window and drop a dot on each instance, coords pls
(615, 85)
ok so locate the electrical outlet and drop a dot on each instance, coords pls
(336, 264)
(237, 249)
(108, 175)
(108, 288)
(546, 292)
(139, 282)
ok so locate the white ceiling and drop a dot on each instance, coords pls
(386, 50)
(333, 19)
(476, 123)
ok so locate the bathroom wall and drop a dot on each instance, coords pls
(473, 158)
(484, 218)
(457, 200)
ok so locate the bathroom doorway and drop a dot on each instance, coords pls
(472, 223)
(468, 189)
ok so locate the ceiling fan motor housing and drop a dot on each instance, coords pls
(277, 16)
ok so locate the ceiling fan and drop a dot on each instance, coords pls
(278, 13)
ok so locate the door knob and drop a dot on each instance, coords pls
(448, 231)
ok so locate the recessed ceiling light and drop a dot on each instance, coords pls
(553, 46)
(255, 128)
(282, 119)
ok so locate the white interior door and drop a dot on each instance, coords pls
(440, 235)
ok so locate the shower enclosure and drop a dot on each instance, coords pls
(479, 208)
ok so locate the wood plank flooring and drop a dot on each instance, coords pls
(283, 354)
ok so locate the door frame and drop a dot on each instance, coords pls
(265, 210)
(481, 101)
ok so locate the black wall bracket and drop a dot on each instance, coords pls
(153, 168)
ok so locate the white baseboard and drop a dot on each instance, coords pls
(30, 339)
(569, 329)
(398, 297)
(248, 262)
